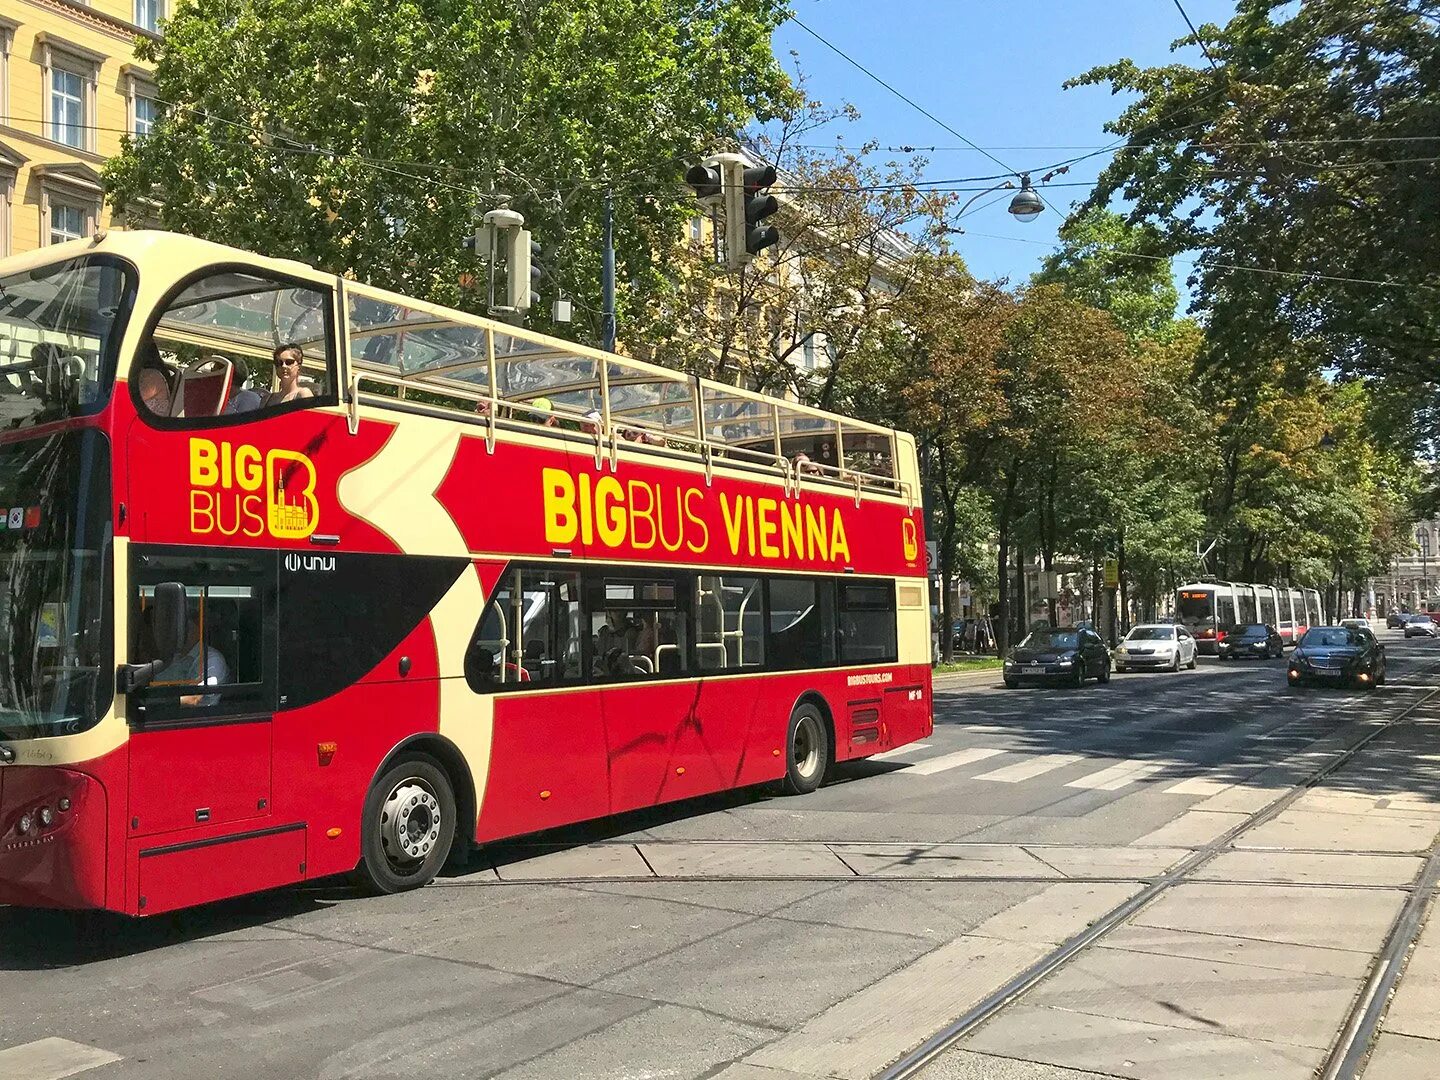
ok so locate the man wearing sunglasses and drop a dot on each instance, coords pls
(287, 376)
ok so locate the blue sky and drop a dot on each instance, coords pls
(997, 83)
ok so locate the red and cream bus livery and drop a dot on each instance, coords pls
(300, 577)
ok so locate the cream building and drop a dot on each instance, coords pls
(70, 91)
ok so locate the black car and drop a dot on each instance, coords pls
(1396, 620)
(1053, 654)
(1251, 639)
(1339, 656)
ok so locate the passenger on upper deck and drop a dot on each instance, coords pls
(242, 399)
(153, 380)
(287, 373)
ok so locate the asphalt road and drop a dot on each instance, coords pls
(748, 937)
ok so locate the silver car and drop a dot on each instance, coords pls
(1156, 646)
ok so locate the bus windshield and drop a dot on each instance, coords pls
(55, 637)
(58, 328)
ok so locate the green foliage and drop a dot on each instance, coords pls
(363, 136)
(1110, 264)
(1302, 170)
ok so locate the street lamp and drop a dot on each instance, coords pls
(1027, 204)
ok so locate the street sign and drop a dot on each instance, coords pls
(932, 555)
(1112, 573)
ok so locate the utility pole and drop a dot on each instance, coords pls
(607, 278)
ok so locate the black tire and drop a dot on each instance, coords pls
(1194, 659)
(408, 826)
(1079, 673)
(1104, 676)
(1011, 684)
(1380, 678)
(807, 753)
(1175, 664)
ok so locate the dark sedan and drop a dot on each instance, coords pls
(1396, 620)
(1067, 653)
(1253, 639)
(1338, 656)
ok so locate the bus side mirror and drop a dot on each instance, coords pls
(169, 625)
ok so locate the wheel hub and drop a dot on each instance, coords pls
(806, 751)
(410, 822)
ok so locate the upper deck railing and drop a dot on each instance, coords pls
(400, 352)
(500, 376)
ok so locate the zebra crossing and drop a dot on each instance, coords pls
(1198, 764)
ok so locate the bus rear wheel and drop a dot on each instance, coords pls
(408, 827)
(807, 750)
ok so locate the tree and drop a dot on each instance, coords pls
(364, 137)
(950, 332)
(853, 238)
(1300, 167)
(1110, 264)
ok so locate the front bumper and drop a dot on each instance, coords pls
(1261, 649)
(61, 865)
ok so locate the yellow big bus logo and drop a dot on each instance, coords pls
(909, 539)
(238, 491)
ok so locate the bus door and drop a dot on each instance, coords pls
(233, 442)
(547, 755)
(662, 743)
(199, 816)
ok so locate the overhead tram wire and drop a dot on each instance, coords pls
(1200, 262)
(903, 97)
(1196, 34)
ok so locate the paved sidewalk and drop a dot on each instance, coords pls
(1409, 1044)
(1251, 967)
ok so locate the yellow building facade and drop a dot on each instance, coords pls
(70, 91)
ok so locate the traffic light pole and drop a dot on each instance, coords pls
(607, 279)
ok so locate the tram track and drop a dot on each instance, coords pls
(1361, 1023)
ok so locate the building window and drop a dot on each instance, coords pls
(67, 222)
(148, 14)
(67, 107)
(697, 229)
(7, 34)
(146, 113)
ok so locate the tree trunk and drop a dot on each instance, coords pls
(1124, 592)
(1003, 523)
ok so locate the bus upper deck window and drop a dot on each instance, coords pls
(238, 343)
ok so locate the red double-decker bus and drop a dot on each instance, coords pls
(299, 577)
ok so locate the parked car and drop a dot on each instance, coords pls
(1055, 653)
(1421, 626)
(1155, 645)
(1338, 656)
(1396, 620)
(1251, 639)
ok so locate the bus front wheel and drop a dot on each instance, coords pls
(807, 750)
(409, 825)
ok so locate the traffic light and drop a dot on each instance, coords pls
(522, 271)
(747, 203)
(708, 180)
(759, 205)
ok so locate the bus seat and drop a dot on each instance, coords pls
(205, 386)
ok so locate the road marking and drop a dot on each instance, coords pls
(1118, 776)
(898, 751)
(51, 1059)
(1030, 768)
(1201, 785)
(951, 761)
